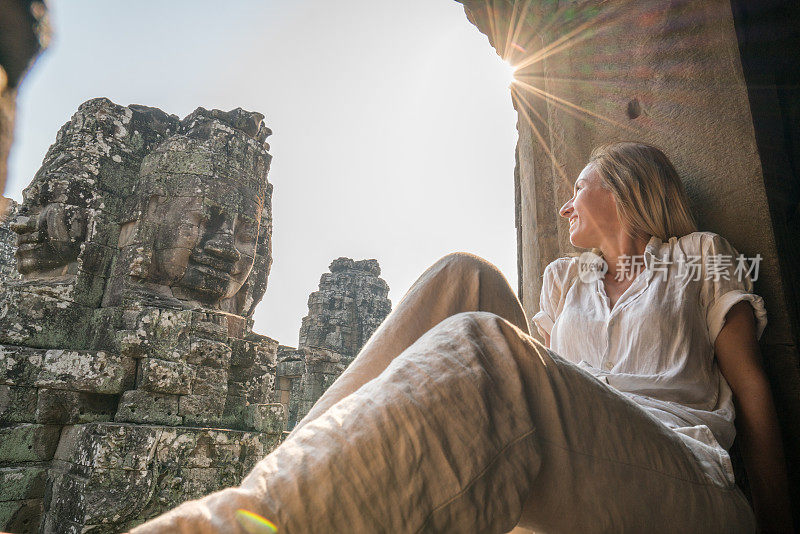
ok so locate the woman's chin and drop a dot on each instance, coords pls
(575, 239)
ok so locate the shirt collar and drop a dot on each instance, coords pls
(652, 249)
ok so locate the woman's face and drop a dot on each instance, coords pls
(592, 211)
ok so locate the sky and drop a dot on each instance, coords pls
(393, 128)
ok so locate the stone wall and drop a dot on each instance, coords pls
(670, 74)
(348, 307)
(130, 376)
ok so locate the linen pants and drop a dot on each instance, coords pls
(452, 418)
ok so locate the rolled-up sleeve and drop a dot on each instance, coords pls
(726, 281)
(548, 301)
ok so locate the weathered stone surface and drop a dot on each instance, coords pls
(21, 516)
(56, 406)
(210, 353)
(209, 381)
(43, 315)
(201, 220)
(99, 372)
(28, 443)
(162, 376)
(348, 307)
(20, 366)
(350, 304)
(270, 418)
(17, 404)
(19, 483)
(201, 409)
(140, 406)
(8, 241)
(119, 474)
(66, 223)
(144, 245)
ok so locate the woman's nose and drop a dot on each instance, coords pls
(566, 209)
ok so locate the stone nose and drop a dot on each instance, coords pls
(222, 247)
(22, 224)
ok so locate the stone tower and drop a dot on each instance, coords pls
(348, 307)
(130, 377)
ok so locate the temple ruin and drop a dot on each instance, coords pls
(715, 84)
(131, 378)
(130, 375)
(348, 307)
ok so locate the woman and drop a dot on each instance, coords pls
(453, 419)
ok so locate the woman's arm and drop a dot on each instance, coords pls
(546, 339)
(739, 360)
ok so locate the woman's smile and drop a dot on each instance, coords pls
(572, 222)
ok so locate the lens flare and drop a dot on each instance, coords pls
(253, 523)
(510, 72)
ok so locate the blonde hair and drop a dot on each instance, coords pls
(649, 194)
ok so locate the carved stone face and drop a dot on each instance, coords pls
(204, 247)
(50, 227)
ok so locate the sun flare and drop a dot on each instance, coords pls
(510, 73)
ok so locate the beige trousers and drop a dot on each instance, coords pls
(453, 418)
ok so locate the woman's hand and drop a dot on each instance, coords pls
(739, 360)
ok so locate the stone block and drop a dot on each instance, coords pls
(93, 371)
(162, 376)
(20, 366)
(28, 442)
(269, 418)
(260, 351)
(17, 404)
(197, 448)
(291, 368)
(201, 410)
(256, 446)
(332, 368)
(64, 407)
(51, 524)
(109, 445)
(167, 332)
(209, 353)
(57, 406)
(20, 483)
(137, 406)
(328, 379)
(43, 314)
(132, 343)
(255, 383)
(208, 381)
(233, 413)
(21, 516)
(209, 325)
(105, 496)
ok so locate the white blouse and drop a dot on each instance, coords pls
(656, 346)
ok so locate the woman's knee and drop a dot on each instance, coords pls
(467, 263)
